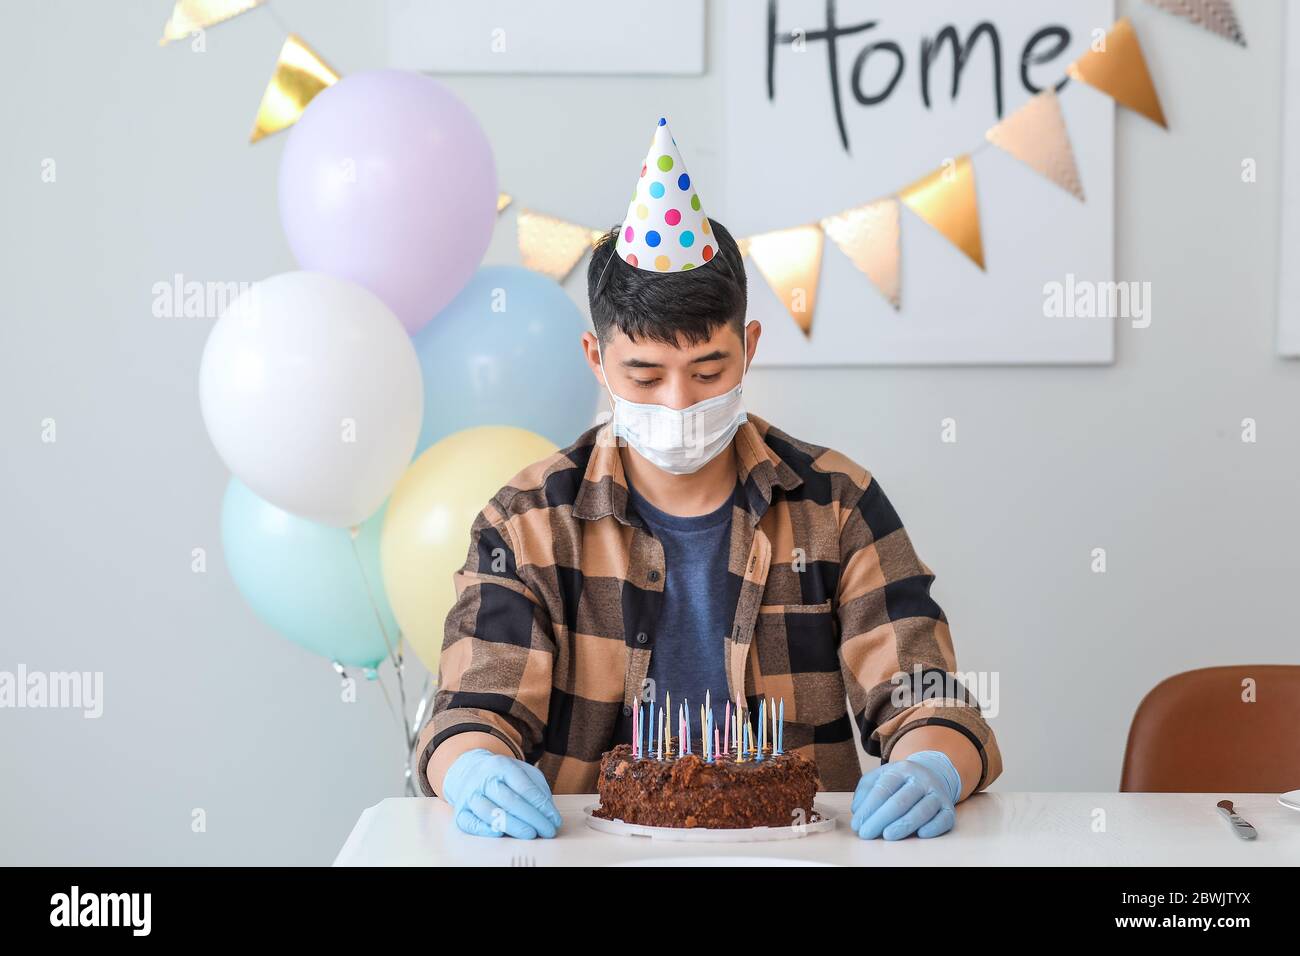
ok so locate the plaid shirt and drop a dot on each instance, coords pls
(554, 623)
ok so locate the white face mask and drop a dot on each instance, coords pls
(679, 440)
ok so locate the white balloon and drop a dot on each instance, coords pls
(311, 392)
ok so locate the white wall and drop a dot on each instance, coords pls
(205, 707)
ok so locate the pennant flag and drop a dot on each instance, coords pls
(868, 235)
(299, 75)
(190, 16)
(946, 199)
(1035, 134)
(1120, 71)
(1217, 16)
(791, 263)
(503, 200)
(552, 246)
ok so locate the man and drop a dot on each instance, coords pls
(686, 547)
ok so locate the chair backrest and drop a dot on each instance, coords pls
(1219, 729)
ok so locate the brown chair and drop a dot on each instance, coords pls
(1195, 733)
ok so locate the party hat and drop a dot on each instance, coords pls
(665, 229)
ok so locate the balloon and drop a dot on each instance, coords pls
(310, 390)
(426, 534)
(388, 180)
(303, 578)
(506, 351)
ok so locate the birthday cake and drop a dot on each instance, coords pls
(689, 791)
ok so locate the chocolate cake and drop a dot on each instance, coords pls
(688, 791)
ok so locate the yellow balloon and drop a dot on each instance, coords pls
(425, 537)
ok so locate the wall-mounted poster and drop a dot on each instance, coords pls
(525, 36)
(830, 105)
(1288, 325)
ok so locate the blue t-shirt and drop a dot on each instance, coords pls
(687, 654)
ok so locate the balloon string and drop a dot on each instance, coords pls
(394, 654)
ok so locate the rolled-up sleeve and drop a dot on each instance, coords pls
(498, 648)
(896, 652)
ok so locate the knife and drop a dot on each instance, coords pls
(1239, 825)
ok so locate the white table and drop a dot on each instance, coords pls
(993, 828)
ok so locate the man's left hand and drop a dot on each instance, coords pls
(915, 795)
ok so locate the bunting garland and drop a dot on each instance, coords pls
(1217, 16)
(299, 75)
(869, 236)
(946, 199)
(789, 260)
(190, 16)
(1035, 134)
(1120, 71)
(552, 246)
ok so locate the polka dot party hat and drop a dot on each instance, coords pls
(665, 229)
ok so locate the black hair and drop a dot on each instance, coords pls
(663, 306)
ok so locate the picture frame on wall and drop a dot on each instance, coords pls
(1288, 299)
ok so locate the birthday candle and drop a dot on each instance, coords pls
(715, 743)
(726, 729)
(704, 732)
(686, 714)
(780, 734)
(636, 729)
(661, 735)
(762, 726)
(650, 729)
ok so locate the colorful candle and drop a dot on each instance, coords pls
(762, 725)
(661, 735)
(780, 724)
(636, 729)
(715, 742)
(650, 728)
(726, 730)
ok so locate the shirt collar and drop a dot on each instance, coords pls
(759, 471)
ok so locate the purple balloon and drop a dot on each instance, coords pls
(388, 180)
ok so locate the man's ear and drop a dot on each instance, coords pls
(752, 331)
(590, 351)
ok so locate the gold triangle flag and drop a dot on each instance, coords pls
(503, 200)
(552, 246)
(946, 199)
(791, 263)
(1217, 16)
(190, 16)
(299, 75)
(1120, 71)
(1035, 134)
(868, 235)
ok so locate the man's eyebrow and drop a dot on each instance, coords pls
(714, 356)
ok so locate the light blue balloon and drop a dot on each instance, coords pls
(506, 351)
(303, 579)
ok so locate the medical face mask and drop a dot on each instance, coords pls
(678, 440)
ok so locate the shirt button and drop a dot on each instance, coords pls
(641, 637)
(653, 576)
(627, 711)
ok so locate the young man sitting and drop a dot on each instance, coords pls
(687, 545)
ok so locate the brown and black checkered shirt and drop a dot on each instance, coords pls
(554, 623)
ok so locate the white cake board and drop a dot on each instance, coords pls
(708, 835)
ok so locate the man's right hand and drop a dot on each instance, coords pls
(494, 795)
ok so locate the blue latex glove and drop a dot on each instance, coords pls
(494, 795)
(915, 795)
